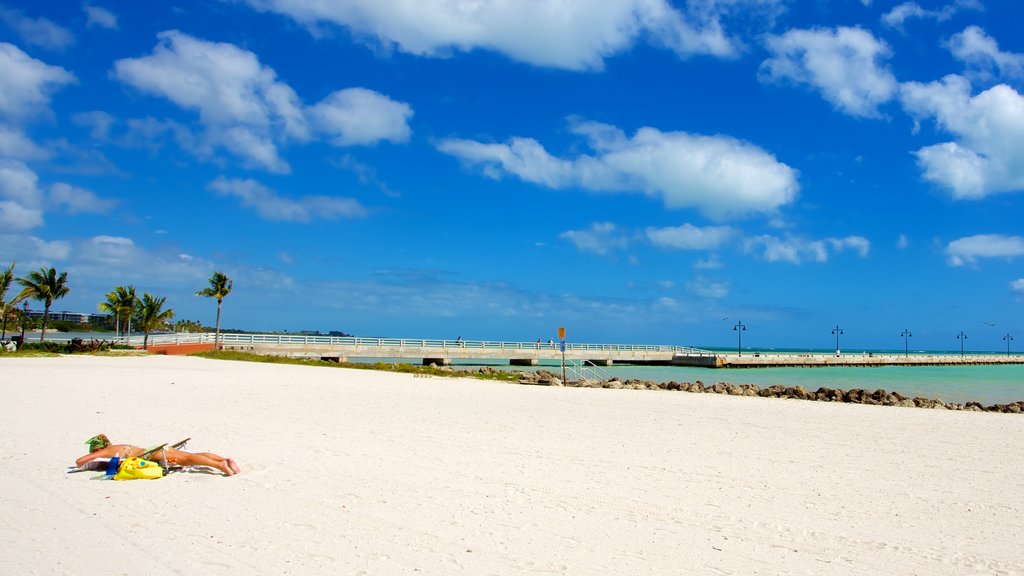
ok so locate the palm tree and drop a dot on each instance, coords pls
(151, 315)
(46, 286)
(121, 302)
(220, 286)
(6, 278)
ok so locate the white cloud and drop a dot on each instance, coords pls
(708, 289)
(78, 200)
(571, 34)
(858, 244)
(988, 156)
(225, 84)
(102, 257)
(39, 32)
(19, 183)
(600, 238)
(1017, 285)
(721, 176)
(27, 84)
(712, 263)
(981, 52)
(32, 252)
(902, 242)
(96, 16)
(246, 109)
(690, 237)
(15, 145)
(797, 250)
(272, 206)
(969, 249)
(909, 10)
(357, 116)
(844, 64)
(20, 197)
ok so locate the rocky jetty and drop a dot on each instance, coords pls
(853, 396)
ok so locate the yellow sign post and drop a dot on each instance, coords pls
(561, 337)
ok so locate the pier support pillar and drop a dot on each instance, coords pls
(437, 361)
(601, 362)
(523, 362)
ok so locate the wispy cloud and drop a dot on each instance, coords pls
(796, 250)
(600, 238)
(39, 32)
(272, 206)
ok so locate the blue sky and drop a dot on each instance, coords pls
(644, 171)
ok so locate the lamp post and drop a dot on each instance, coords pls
(961, 337)
(1008, 339)
(739, 328)
(906, 346)
(837, 331)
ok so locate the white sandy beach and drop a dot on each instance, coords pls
(359, 472)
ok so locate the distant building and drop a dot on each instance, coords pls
(67, 316)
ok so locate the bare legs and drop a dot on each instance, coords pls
(226, 465)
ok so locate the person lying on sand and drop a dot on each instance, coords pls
(100, 447)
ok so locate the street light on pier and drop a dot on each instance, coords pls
(739, 328)
(961, 337)
(837, 331)
(1008, 339)
(906, 345)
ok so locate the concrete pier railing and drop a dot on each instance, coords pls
(438, 351)
(761, 360)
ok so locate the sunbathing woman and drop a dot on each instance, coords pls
(100, 447)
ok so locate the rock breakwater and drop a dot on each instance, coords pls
(853, 396)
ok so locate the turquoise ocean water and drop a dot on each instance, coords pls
(987, 384)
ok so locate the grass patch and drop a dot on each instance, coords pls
(405, 368)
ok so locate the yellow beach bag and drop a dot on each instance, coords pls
(139, 469)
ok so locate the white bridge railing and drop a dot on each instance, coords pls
(232, 340)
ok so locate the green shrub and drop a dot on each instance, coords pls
(53, 347)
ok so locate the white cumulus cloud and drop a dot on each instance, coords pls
(845, 64)
(272, 206)
(1017, 285)
(988, 155)
(981, 52)
(247, 110)
(570, 34)
(359, 116)
(718, 175)
(969, 249)
(27, 84)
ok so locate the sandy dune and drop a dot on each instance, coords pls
(356, 472)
